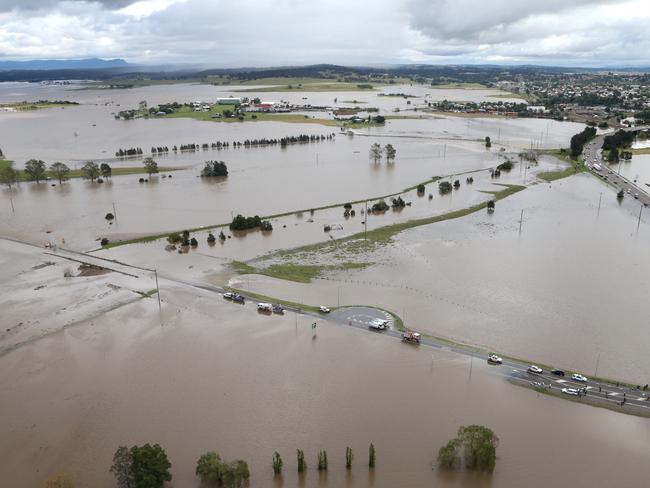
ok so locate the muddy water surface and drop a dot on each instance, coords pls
(569, 290)
(219, 376)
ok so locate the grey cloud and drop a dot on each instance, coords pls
(35, 5)
(468, 19)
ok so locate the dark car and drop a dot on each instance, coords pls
(558, 372)
(277, 308)
(238, 299)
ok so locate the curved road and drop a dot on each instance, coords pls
(605, 394)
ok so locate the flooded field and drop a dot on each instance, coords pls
(89, 131)
(637, 170)
(257, 183)
(557, 293)
(87, 363)
(259, 384)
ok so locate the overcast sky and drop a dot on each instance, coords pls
(288, 32)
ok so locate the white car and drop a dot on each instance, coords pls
(579, 377)
(378, 324)
(264, 307)
(323, 309)
(228, 295)
(494, 359)
(570, 391)
(535, 369)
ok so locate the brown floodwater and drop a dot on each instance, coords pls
(89, 131)
(262, 181)
(220, 376)
(570, 290)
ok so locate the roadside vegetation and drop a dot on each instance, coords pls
(575, 165)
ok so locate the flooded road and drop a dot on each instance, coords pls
(259, 384)
(568, 291)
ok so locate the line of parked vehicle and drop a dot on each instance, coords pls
(536, 370)
(263, 306)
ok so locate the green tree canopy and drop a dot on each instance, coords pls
(474, 446)
(390, 152)
(150, 166)
(144, 466)
(35, 170)
(375, 152)
(214, 168)
(60, 171)
(90, 171)
(8, 176)
(214, 472)
(106, 170)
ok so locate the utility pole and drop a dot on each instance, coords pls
(155, 272)
(365, 223)
(521, 220)
(639, 222)
(11, 199)
(599, 200)
(114, 213)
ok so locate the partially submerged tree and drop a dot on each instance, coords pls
(209, 469)
(8, 176)
(90, 171)
(488, 142)
(390, 152)
(322, 460)
(144, 466)
(150, 166)
(348, 457)
(106, 170)
(474, 447)
(214, 169)
(302, 464)
(444, 187)
(375, 152)
(371, 455)
(59, 171)
(277, 463)
(35, 170)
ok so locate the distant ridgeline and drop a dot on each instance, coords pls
(248, 143)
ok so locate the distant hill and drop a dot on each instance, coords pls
(56, 64)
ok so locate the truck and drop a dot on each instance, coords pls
(412, 337)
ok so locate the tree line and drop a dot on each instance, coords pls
(282, 142)
(37, 170)
(579, 140)
(148, 466)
